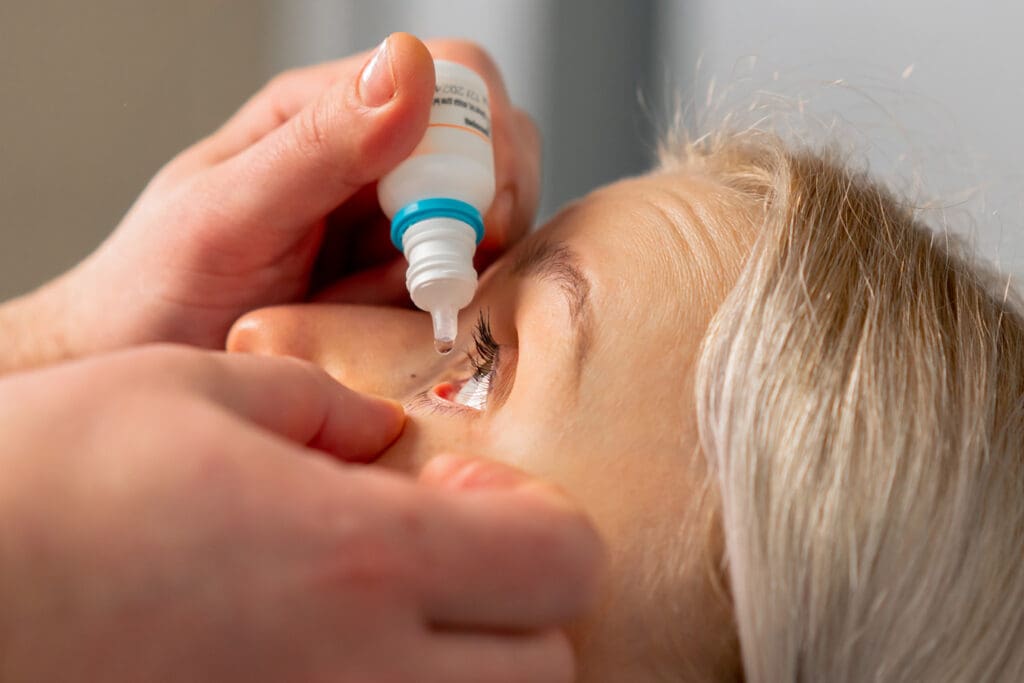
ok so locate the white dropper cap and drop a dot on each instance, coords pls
(441, 278)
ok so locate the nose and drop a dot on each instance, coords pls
(381, 351)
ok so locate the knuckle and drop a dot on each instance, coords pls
(312, 131)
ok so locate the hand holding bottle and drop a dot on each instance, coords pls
(278, 204)
(435, 199)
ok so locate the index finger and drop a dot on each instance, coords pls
(292, 398)
(516, 143)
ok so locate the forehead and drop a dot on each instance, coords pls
(647, 248)
(671, 233)
(658, 269)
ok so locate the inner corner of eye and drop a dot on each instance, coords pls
(469, 393)
(446, 390)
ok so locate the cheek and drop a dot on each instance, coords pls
(426, 436)
(629, 469)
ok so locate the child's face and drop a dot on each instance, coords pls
(598, 318)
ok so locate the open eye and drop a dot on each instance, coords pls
(474, 392)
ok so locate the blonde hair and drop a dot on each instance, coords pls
(860, 400)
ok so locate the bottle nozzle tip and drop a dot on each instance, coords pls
(444, 346)
(446, 328)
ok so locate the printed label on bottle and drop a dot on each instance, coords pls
(458, 105)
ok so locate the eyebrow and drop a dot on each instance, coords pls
(556, 262)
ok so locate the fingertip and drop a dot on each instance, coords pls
(499, 221)
(392, 418)
(414, 74)
(332, 148)
(400, 62)
(410, 52)
(358, 427)
(400, 122)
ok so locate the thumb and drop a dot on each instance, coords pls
(460, 473)
(358, 130)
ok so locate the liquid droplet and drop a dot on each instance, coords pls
(444, 346)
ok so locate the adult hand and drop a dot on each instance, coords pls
(170, 514)
(277, 204)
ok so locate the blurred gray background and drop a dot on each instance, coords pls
(96, 96)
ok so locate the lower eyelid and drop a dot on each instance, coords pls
(420, 401)
(432, 401)
(444, 390)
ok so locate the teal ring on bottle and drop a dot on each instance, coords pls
(437, 207)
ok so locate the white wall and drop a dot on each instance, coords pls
(574, 65)
(936, 89)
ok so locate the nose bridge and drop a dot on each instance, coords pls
(376, 350)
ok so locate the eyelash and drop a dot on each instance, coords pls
(483, 358)
(485, 349)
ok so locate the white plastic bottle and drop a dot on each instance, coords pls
(437, 197)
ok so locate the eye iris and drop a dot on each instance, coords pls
(473, 392)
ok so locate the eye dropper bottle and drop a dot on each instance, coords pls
(437, 197)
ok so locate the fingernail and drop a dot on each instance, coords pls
(377, 80)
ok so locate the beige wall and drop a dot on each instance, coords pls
(94, 97)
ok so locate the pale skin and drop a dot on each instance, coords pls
(617, 432)
(172, 513)
(264, 559)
